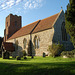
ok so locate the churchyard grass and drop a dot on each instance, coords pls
(38, 66)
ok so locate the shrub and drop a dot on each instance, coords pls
(18, 58)
(69, 54)
(55, 49)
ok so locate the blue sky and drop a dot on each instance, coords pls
(30, 10)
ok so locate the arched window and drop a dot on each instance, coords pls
(16, 44)
(24, 43)
(64, 34)
(36, 42)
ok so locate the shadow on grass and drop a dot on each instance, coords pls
(58, 68)
(22, 59)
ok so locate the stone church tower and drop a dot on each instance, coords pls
(12, 24)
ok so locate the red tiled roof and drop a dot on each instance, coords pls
(24, 30)
(8, 46)
(38, 25)
(46, 23)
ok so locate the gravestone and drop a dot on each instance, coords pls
(44, 55)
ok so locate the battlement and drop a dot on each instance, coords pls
(12, 15)
(12, 24)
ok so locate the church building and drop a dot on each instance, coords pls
(35, 38)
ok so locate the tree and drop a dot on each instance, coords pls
(70, 20)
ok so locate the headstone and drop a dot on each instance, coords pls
(18, 58)
(44, 55)
(25, 57)
(32, 57)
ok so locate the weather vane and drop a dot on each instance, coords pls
(61, 7)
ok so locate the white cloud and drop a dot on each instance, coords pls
(10, 3)
(32, 4)
(39, 1)
(25, 4)
(3, 6)
(7, 4)
(18, 1)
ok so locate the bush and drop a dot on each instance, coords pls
(18, 58)
(55, 49)
(24, 53)
(69, 54)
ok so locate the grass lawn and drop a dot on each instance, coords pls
(38, 66)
